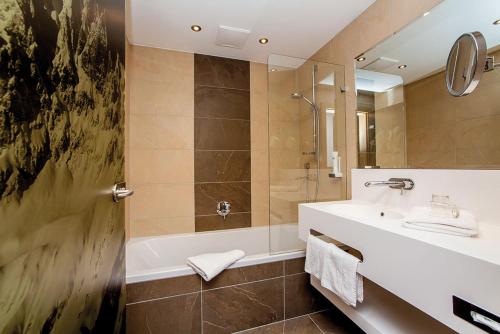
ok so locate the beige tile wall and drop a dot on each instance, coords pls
(160, 142)
(378, 22)
(448, 132)
(259, 144)
(390, 120)
(127, 139)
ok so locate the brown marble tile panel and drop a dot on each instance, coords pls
(218, 166)
(275, 328)
(301, 298)
(141, 291)
(207, 195)
(240, 307)
(295, 266)
(179, 314)
(334, 321)
(216, 222)
(246, 275)
(221, 72)
(213, 102)
(221, 134)
(301, 325)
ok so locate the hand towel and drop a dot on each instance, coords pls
(421, 218)
(340, 275)
(211, 264)
(314, 255)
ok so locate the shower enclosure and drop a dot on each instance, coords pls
(306, 142)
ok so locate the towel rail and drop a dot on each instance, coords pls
(346, 248)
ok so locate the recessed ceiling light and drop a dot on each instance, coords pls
(263, 40)
(402, 67)
(426, 13)
(361, 58)
(196, 28)
(497, 22)
(273, 70)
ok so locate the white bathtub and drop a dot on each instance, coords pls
(159, 257)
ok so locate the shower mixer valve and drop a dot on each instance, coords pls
(223, 209)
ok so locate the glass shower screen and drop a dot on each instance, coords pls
(306, 142)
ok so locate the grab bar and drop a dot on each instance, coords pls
(346, 248)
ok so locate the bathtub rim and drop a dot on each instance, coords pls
(184, 270)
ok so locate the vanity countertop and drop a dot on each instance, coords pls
(485, 246)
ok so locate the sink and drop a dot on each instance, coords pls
(363, 211)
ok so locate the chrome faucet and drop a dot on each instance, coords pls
(394, 183)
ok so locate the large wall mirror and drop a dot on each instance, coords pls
(406, 116)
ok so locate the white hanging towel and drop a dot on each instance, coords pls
(211, 264)
(315, 251)
(340, 275)
(421, 218)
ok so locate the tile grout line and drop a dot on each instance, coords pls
(284, 294)
(283, 321)
(277, 322)
(239, 284)
(222, 87)
(261, 326)
(314, 322)
(161, 298)
(222, 118)
(201, 304)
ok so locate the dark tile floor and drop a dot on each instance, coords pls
(325, 322)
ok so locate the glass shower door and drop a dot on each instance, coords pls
(306, 142)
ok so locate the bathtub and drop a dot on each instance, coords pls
(158, 257)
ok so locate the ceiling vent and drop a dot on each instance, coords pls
(380, 64)
(231, 37)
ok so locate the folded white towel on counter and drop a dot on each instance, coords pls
(421, 218)
(211, 264)
(315, 251)
(340, 275)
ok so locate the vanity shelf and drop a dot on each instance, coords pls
(384, 313)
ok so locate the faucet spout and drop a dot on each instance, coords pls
(385, 183)
(394, 183)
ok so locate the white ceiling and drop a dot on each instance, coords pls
(376, 81)
(294, 27)
(424, 45)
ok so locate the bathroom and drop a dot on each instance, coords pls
(267, 166)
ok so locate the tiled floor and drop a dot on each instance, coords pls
(325, 322)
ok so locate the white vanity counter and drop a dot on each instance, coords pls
(423, 268)
(484, 247)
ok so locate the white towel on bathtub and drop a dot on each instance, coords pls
(211, 264)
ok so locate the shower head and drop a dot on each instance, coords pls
(300, 96)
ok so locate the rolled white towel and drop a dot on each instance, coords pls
(421, 218)
(211, 264)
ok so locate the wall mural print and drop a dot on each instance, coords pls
(61, 150)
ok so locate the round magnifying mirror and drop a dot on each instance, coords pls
(466, 63)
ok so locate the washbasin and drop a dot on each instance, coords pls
(363, 211)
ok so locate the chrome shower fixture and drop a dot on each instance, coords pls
(300, 96)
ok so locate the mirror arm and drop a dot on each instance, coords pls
(490, 64)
